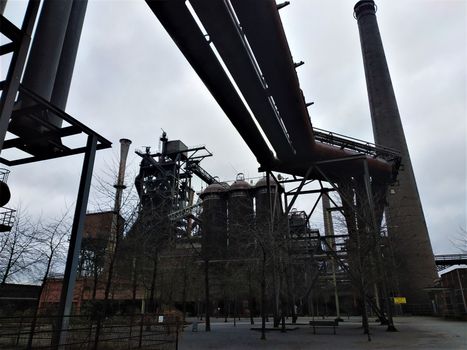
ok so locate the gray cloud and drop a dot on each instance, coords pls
(131, 81)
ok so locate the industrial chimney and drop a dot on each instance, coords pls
(120, 186)
(116, 228)
(406, 223)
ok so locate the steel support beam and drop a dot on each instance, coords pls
(291, 193)
(69, 279)
(302, 183)
(376, 234)
(308, 217)
(11, 86)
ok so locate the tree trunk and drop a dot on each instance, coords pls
(276, 317)
(151, 304)
(184, 291)
(250, 298)
(226, 308)
(235, 312)
(36, 309)
(207, 299)
(8, 266)
(96, 280)
(108, 285)
(263, 298)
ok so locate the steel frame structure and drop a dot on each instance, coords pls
(368, 217)
(247, 39)
(20, 40)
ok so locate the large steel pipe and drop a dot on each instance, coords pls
(181, 26)
(262, 25)
(335, 162)
(41, 68)
(228, 40)
(49, 69)
(68, 55)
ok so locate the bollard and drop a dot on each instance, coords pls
(176, 334)
(19, 330)
(141, 331)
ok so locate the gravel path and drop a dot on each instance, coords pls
(413, 333)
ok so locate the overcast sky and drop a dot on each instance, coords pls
(131, 81)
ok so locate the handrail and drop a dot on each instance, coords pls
(325, 135)
(451, 257)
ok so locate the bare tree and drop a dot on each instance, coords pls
(17, 248)
(51, 249)
(100, 255)
(460, 241)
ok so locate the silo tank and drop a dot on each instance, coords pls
(265, 204)
(240, 215)
(214, 220)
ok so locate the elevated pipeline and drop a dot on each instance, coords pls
(48, 73)
(184, 31)
(270, 55)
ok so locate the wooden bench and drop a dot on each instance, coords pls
(324, 323)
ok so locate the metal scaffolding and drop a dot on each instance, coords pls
(20, 41)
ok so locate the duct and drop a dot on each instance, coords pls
(333, 163)
(49, 71)
(68, 56)
(181, 26)
(261, 23)
(42, 65)
(231, 45)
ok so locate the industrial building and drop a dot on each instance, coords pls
(453, 301)
(239, 247)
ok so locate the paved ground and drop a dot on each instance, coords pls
(414, 333)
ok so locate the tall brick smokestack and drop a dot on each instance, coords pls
(407, 228)
(120, 186)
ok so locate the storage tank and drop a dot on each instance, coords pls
(214, 220)
(241, 216)
(265, 204)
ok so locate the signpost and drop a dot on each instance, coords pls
(400, 300)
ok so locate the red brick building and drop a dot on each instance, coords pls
(83, 293)
(454, 295)
(98, 240)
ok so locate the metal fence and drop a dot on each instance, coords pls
(7, 219)
(137, 331)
